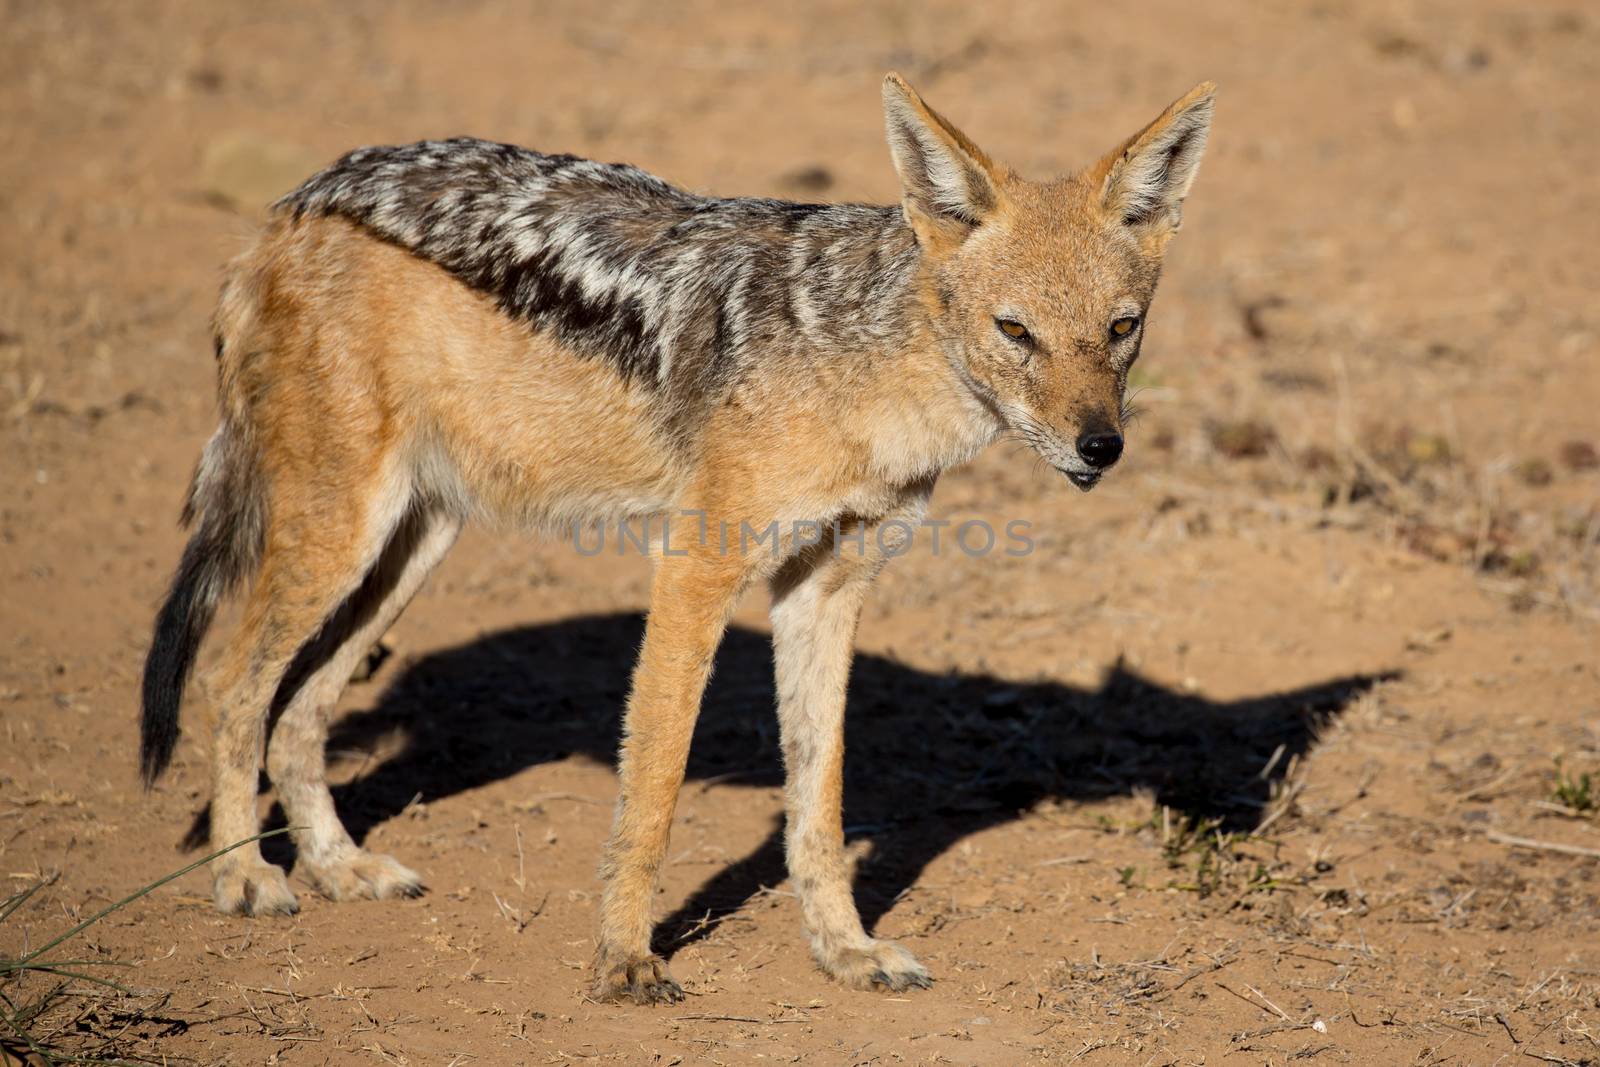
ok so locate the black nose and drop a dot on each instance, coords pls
(1100, 450)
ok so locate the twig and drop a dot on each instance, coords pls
(1281, 1013)
(1482, 792)
(730, 776)
(1241, 996)
(535, 800)
(1563, 811)
(1198, 971)
(1285, 802)
(1088, 1047)
(522, 874)
(1542, 846)
(1268, 1007)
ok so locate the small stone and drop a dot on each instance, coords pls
(1427, 448)
(1242, 439)
(812, 179)
(1535, 472)
(206, 79)
(1580, 456)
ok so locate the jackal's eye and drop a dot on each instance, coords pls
(1012, 329)
(1124, 326)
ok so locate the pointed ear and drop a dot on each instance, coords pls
(949, 185)
(1144, 182)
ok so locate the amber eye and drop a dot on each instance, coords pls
(1012, 329)
(1123, 327)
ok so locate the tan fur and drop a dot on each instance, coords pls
(387, 402)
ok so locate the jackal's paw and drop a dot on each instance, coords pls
(878, 965)
(644, 980)
(362, 875)
(256, 888)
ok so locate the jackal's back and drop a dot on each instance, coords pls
(671, 289)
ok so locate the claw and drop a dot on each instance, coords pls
(664, 991)
(643, 981)
(878, 965)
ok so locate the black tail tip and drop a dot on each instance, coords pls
(179, 628)
(158, 722)
(156, 747)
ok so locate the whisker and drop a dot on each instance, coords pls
(1130, 410)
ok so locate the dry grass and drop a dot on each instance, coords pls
(1508, 520)
(58, 1010)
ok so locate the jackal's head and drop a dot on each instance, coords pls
(1038, 291)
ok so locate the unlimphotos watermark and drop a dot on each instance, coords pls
(676, 535)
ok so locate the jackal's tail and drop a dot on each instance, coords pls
(227, 509)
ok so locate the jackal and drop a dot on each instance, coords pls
(446, 330)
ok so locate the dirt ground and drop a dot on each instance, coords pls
(1274, 749)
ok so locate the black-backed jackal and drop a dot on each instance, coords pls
(453, 329)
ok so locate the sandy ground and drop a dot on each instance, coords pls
(1272, 750)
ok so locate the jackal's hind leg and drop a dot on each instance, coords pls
(296, 759)
(283, 613)
(320, 543)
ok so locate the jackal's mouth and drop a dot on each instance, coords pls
(1085, 480)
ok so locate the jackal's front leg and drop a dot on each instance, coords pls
(816, 604)
(690, 604)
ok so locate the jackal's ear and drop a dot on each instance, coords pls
(1144, 181)
(949, 184)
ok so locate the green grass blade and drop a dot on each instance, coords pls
(12, 903)
(130, 898)
(17, 965)
(50, 968)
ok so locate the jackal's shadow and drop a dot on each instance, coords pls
(930, 759)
